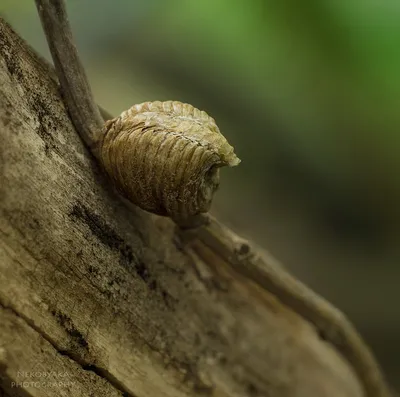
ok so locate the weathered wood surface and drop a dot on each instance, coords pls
(105, 293)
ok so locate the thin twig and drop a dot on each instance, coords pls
(329, 322)
(71, 74)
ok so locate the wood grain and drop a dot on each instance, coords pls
(109, 294)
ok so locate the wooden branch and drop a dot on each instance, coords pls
(119, 299)
(330, 323)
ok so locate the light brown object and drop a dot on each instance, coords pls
(165, 157)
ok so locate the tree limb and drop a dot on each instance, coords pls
(95, 285)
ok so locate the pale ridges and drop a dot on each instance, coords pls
(165, 157)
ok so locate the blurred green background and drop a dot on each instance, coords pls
(308, 92)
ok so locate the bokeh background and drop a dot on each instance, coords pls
(308, 92)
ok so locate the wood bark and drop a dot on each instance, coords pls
(99, 298)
